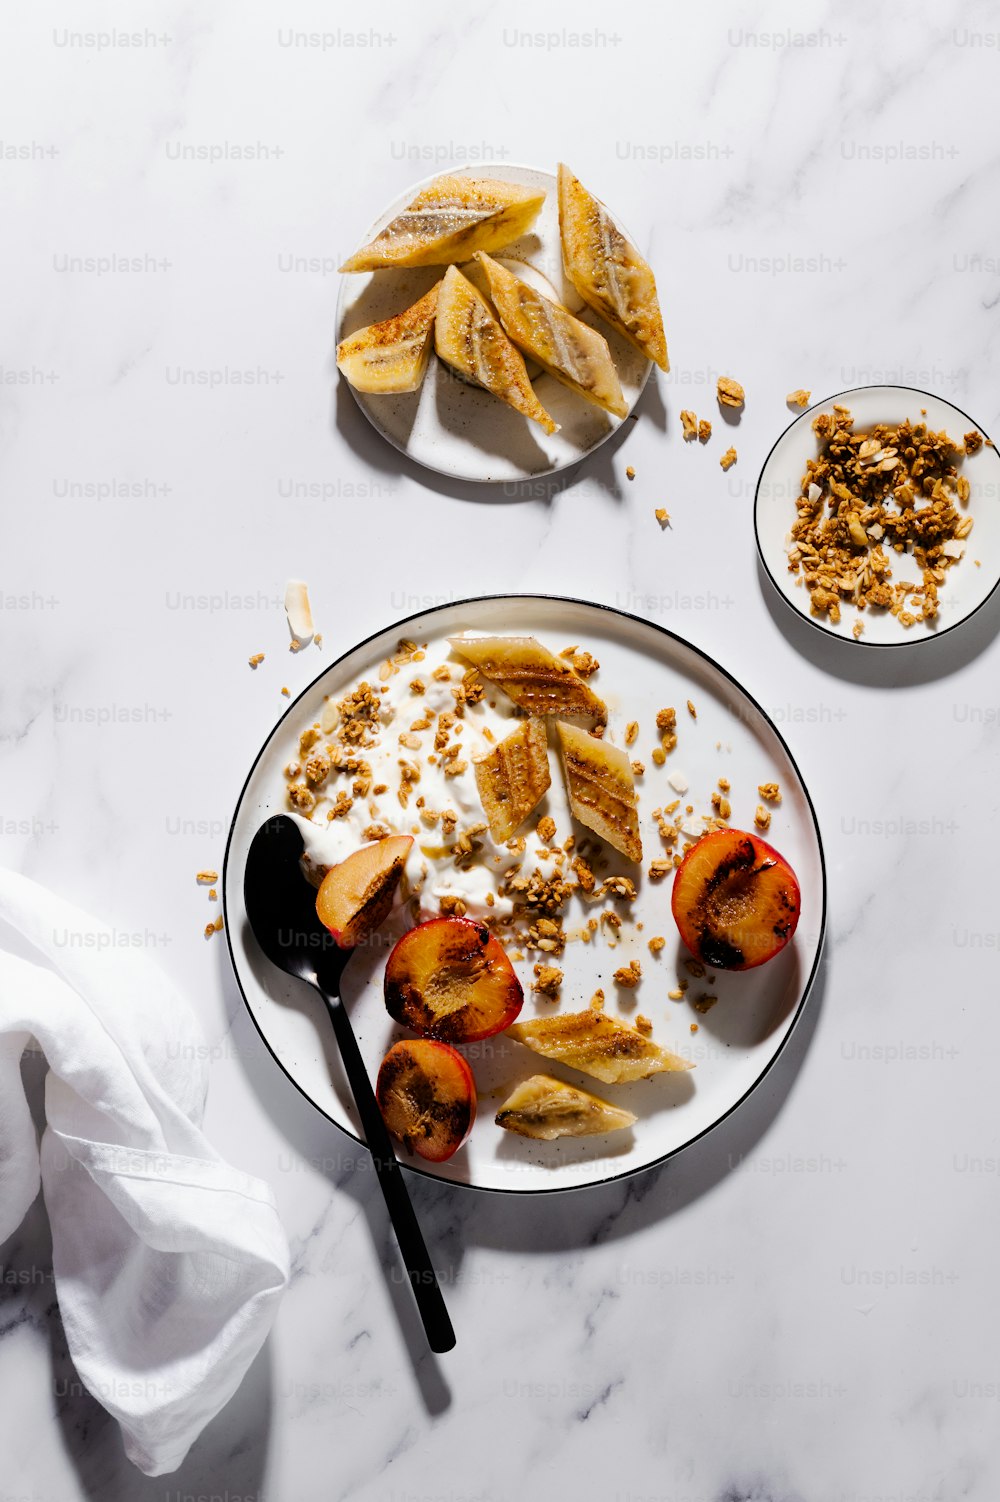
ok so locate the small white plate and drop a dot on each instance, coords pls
(966, 587)
(643, 668)
(453, 427)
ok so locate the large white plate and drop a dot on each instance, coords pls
(452, 427)
(643, 668)
(966, 587)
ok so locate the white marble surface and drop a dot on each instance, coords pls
(801, 1309)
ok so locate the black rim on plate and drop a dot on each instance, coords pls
(422, 615)
(858, 641)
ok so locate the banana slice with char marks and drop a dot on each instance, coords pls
(607, 270)
(546, 1108)
(601, 789)
(514, 777)
(597, 1045)
(391, 357)
(449, 221)
(535, 678)
(469, 339)
(576, 355)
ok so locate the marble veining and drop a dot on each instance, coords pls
(802, 1307)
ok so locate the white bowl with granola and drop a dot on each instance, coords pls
(400, 737)
(877, 516)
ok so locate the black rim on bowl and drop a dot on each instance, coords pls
(423, 615)
(803, 615)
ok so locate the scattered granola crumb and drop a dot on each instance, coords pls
(728, 459)
(631, 732)
(546, 829)
(973, 442)
(677, 995)
(691, 710)
(630, 473)
(694, 1027)
(659, 756)
(656, 943)
(704, 430)
(207, 878)
(730, 392)
(629, 975)
(597, 1001)
(662, 516)
(762, 817)
(722, 806)
(638, 769)
(695, 968)
(704, 1002)
(583, 663)
(659, 869)
(214, 927)
(643, 1023)
(689, 423)
(452, 906)
(286, 691)
(213, 895)
(724, 784)
(798, 398)
(770, 792)
(548, 979)
(256, 660)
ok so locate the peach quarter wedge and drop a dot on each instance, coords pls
(355, 896)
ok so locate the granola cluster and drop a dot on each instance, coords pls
(868, 495)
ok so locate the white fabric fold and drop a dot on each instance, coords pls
(168, 1263)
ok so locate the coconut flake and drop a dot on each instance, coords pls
(875, 531)
(298, 611)
(814, 491)
(953, 548)
(677, 782)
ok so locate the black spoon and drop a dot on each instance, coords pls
(281, 907)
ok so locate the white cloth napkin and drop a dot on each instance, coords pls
(168, 1263)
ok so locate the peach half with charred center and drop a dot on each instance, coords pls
(427, 1097)
(450, 979)
(736, 901)
(355, 896)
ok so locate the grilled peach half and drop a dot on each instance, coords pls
(355, 896)
(735, 900)
(450, 979)
(427, 1097)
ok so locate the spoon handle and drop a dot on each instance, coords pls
(419, 1268)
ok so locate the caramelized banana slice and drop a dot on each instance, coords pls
(449, 221)
(546, 1108)
(531, 675)
(607, 270)
(391, 356)
(514, 778)
(597, 1045)
(601, 789)
(469, 339)
(569, 350)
